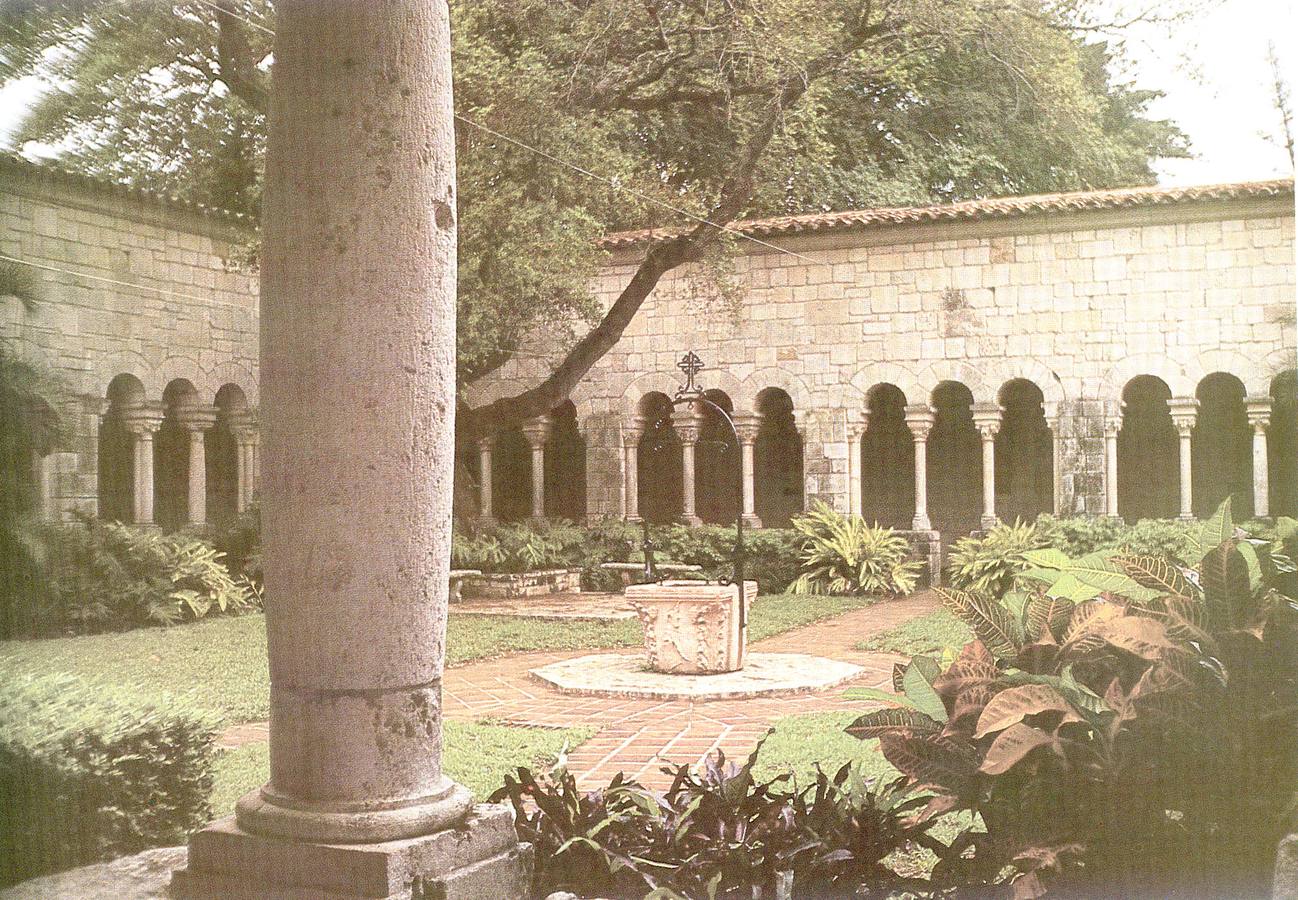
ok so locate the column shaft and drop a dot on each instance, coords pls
(197, 505)
(1187, 494)
(538, 482)
(989, 481)
(484, 479)
(919, 419)
(747, 451)
(631, 470)
(688, 513)
(1259, 416)
(1111, 469)
(142, 507)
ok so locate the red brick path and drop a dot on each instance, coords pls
(639, 736)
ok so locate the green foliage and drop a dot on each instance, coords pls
(1082, 535)
(717, 832)
(90, 771)
(845, 555)
(990, 563)
(102, 576)
(1123, 723)
(239, 543)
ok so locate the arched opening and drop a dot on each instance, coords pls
(511, 476)
(1282, 445)
(565, 466)
(887, 460)
(716, 464)
(954, 463)
(171, 457)
(1148, 453)
(222, 455)
(778, 482)
(1024, 454)
(1221, 448)
(116, 450)
(658, 461)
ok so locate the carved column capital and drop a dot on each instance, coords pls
(537, 431)
(1185, 410)
(142, 420)
(243, 425)
(688, 427)
(486, 442)
(747, 425)
(1112, 427)
(1259, 413)
(857, 427)
(987, 419)
(196, 418)
(633, 430)
(920, 419)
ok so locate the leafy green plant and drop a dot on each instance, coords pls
(1123, 724)
(90, 771)
(717, 832)
(845, 555)
(990, 563)
(1081, 535)
(104, 576)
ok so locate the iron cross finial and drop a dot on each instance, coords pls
(691, 365)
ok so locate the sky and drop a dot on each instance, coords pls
(1212, 69)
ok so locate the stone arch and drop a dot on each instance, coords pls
(115, 457)
(1222, 447)
(954, 462)
(944, 372)
(887, 459)
(779, 484)
(658, 460)
(1157, 365)
(884, 372)
(643, 385)
(1274, 364)
(175, 369)
(1024, 452)
(1252, 376)
(1148, 451)
(230, 372)
(113, 366)
(1045, 379)
(793, 387)
(171, 455)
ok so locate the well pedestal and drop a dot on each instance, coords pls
(693, 627)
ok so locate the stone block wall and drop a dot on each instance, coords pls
(128, 284)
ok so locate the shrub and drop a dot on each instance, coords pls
(104, 576)
(239, 543)
(771, 554)
(715, 833)
(1080, 535)
(844, 555)
(989, 564)
(1124, 724)
(89, 772)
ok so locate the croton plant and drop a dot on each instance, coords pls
(1123, 726)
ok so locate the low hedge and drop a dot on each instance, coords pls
(89, 772)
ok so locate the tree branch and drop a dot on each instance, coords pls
(238, 64)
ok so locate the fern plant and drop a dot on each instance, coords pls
(845, 555)
(990, 563)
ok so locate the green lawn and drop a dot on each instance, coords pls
(926, 634)
(476, 754)
(223, 661)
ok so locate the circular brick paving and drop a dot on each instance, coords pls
(763, 675)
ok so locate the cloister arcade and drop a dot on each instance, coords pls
(953, 458)
(175, 460)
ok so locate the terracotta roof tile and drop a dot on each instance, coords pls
(997, 208)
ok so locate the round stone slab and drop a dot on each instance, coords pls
(628, 675)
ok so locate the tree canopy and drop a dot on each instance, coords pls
(676, 110)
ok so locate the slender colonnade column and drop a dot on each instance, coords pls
(748, 425)
(1184, 412)
(1111, 427)
(537, 432)
(920, 419)
(987, 419)
(142, 422)
(1259, 417)
(631, 434)
(856, 430)
(196, 420)
(244, 428)
(688, 429)
(485, 444)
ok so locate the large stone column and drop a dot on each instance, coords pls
(920, 419)
(1259, 416)
(537, 432)
(142, 422)
(631, 434)
(485, 445)
(856, 430)
(358, 405)
(1111, 427)
(1184, 412)
(196, 420)
(688, 428)
(747, 425)
(987, 419)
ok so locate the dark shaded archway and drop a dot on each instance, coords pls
(1148, 452)
(511, 476)
(778, 482)
(565, 466)
(1282, 445)
(716, 464)
(658, 462)
(171, 457)
(954, 463)
(116, 463)
(1221, 448)
(222, 452)
(1025, 485)
(887, 460)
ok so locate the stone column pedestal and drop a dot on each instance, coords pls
(1184, 412)
(631, 435)
(688, 429)
(196, 420)
(747, 426)
(987, 419)
(1259, 417)
(1111, 428)
(485, 446)
(537, 432)
(143, 423)
(920, 419)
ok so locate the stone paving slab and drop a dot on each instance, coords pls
(641, 735)
(763, 675)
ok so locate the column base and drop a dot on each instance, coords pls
(753, 521)
(692, 521)
(482, 857)
(926, 544)
(1186, 517)
(988, 522)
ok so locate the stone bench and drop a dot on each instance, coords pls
(457, 580)
(629, 570)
